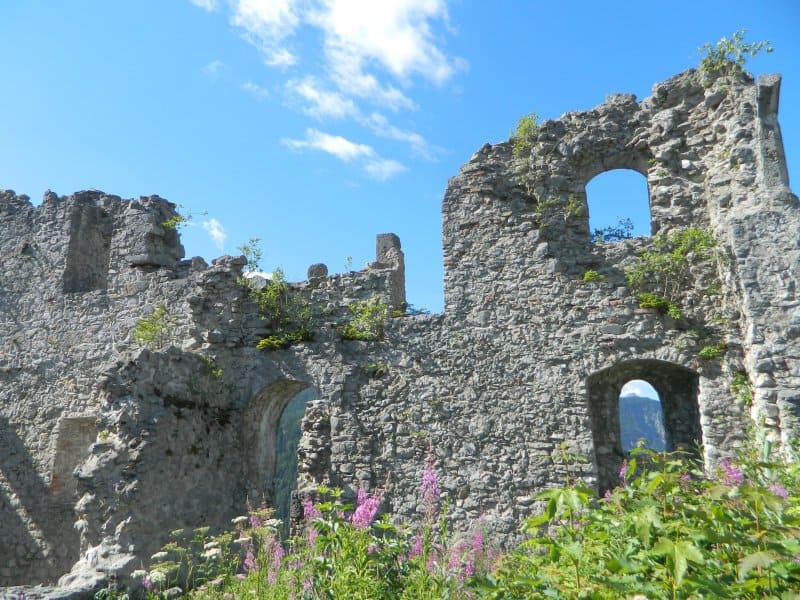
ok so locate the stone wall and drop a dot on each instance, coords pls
(105, 445)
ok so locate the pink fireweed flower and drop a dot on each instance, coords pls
(366, 509)
(429, 488)
(477, 542)
(623, 470)
(416, 547)
(733, 475)
(779, 490)
(309, 510)
(250, 564)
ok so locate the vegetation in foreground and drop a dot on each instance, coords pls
(669, 530)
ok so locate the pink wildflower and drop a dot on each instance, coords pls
(477, 542)
(366, 509)
(416, 547)
(623, 470)
(309, 510)
(733, 475)
(779, 490)
(429, 489)
(250, 563)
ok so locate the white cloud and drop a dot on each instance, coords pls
(216, 231)
(258, 92)
(340, 147)
(345, 150)
(383, 169)
(320, 102)
(213, 68)
(209, 5)
(381, 127)
(267, 23)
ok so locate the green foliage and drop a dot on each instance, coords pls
(729, 55)
(659, 276)
(366, 321)
(154, 330)
(524, 135)
(288, 312)
(210, 367)
(672, 530)
(574, 207)
(376, 370)
(712, 352)
(174, 222)
(623, 230)
(592, 276)
(253, 253)
(740, 387)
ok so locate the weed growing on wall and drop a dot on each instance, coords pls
(741, 388)
(729, 55)
(287, 311)
(524, 135)
(592, 276)
(252, 253)
(658, 277)
(366, 321)
(155, 330)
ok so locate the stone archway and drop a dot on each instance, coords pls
(677, 390)
(262, 435)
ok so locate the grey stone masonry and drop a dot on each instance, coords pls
(106, 445)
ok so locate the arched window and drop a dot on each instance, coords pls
(641, 419)
(619, 205)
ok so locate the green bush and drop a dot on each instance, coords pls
(658, 277)
(740, 386)
(712, 352)
(729, 55)
(155, 330)
(367, 320)
(524, 135)
(288, 312)
(592, 276)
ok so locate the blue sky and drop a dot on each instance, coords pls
(316, 124)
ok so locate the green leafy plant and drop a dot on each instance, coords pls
(741, 388)
(574, 207)
(376, 370)
(729, 55)
(174, 222)
(210, 367)
(658, 276)
(524, 135)
(154, 330)
(592, 276)
(253, 253)
(367, 320)
(712, 352)
(288, 312)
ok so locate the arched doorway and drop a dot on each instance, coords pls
(619, 205)
(677, 389)
(271, 434)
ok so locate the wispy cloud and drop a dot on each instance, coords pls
(216, 232)
(267, 24)
(258, 92)
(319, 102)
(209, 5)
(213, 68)
(348, 151)
(383, 169)
(380, 126)
(340, 147)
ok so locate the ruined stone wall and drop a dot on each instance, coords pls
(527, 359)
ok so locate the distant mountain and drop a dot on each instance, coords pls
(641, 418)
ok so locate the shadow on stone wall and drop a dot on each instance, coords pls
(38, 542)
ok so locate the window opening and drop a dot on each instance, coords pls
(619, 206)
(641, 418)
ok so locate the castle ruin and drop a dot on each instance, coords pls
(106, 445)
